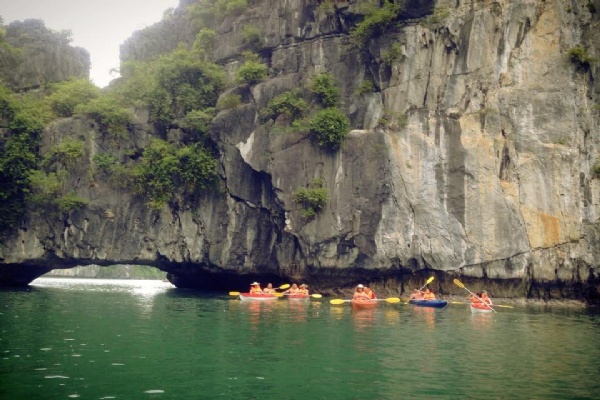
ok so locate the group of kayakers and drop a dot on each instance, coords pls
(294, 289)
(422, 295)
(363, 292)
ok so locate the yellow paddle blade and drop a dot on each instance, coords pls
(458, 283)
(393, 300)
(498, 305)
(430, 280)
(234, 293)
(337, 301)
(458, 302)
(278, 294)
(316, 295)
(285, 286)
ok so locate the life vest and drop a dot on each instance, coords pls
(255, 289)
(429, 296)
(360, 295)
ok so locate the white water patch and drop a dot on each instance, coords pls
(73, 395)
(75, 355)
(56, 377)
(41, 369)
(108, 397)
(154, 391)
(46, 348)
(117, 364)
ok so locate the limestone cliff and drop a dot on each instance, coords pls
(485, 170)
(39, 56)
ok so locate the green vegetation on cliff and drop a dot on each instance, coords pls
(313, 198)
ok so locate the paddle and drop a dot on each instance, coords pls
(427, 282)
(495, 305)
(316, 295)
(284, 286)
(461, 285)
(391, 300)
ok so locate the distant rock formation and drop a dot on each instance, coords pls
(42, 56)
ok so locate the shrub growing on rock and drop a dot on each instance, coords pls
(329, 128)
(325, 88)
(68, 95)
(313, 198)
(251, 71)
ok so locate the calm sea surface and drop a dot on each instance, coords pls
(113, 339)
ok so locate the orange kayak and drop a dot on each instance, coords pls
(257, 296)
(480, 308)
(360, 304)
(297, 296)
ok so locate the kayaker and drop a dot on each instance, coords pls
(370, 293)
(428, 295)
(359, 293)
(255, 287)
(303, 289)
(269, 288)
(484, 297)
(416, 294)
(476, 298)
(292, 290)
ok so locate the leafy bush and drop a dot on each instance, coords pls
(579, 56)
(290, 104)
(198, 122)
(229, 102)
(65, 153)
(17, 160)
(251, 72)
(326, 89)
(105, 163)
(113, 117)
(392, 54)
(251, 37)
(68, 95)
(329, 128)
(205, 41)
(230, 7)
(596, 167)
(163, 168)
(366, 86)
(376, 21)
(313, 198)
(70, 202)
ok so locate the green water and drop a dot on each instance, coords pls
(89, 339)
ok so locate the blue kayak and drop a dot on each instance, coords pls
(429, 303)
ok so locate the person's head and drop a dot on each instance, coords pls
(484, 294)
(269, 286)
(360, 288)
(255, 284)
(427, 290)
(295, 286)
(303, 286)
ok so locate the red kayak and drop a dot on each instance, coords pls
(361, 304)
(257, 297)
(480, 308)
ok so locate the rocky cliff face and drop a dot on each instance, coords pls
(39, 56)
(472, 155)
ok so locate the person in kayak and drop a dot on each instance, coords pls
(416, 294)
(370, 293)
(485, 298)
(269, 288)
(428, 295)
(360, 294)
(292, 290)
(255, 287)
(303, 289)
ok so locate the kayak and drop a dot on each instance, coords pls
(257, 297)
(429, 303)
(298, 297)
(360, 304)
(480, 308)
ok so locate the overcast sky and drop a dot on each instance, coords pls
(99, 26)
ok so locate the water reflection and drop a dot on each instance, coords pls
(426, 314)
(363, 318)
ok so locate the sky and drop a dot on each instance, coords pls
(99, 26)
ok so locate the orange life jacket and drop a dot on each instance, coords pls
(255, 289)
(429, 296)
